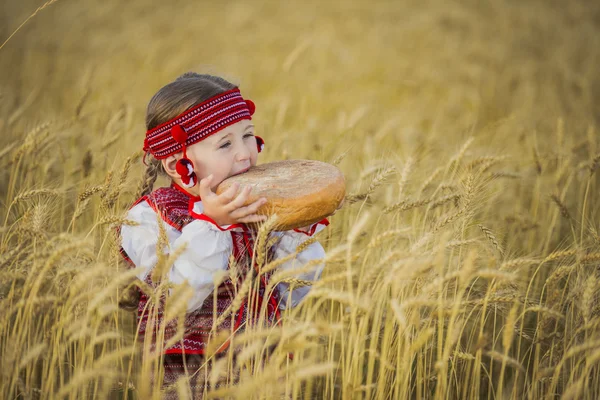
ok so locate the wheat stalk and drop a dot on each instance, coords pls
(430, 179)
(404, 176)
(35, 192)
(404, 206)
(40, 8)
(560, 254)
(502, 174)
(492, 238)
(375, 183)
(502, 358)
(339, 158)
(564, 211)
(238, 299)
(443, 200)
(587, 297)
(512, 265)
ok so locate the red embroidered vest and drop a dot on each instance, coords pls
(174, 208)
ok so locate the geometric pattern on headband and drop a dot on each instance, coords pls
(199, 122)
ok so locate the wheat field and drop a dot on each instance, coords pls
(463, 265)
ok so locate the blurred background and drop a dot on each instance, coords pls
(416, 67)
(475, 121)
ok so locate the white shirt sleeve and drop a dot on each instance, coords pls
(207, 250)
(140, 241)
(287, 245)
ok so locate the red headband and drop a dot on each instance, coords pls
(197, 124)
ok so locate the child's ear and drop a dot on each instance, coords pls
(169, 165)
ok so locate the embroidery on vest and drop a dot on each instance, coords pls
(172, 205)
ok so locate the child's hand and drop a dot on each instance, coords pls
(228, 207)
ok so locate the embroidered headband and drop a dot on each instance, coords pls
(197, 124)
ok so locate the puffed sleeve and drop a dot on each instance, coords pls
(139, 241)
(207, 250)
(289, 241)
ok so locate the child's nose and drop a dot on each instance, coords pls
(243, 153)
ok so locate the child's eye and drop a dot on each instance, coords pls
(227, 144)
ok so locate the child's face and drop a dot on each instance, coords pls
(230, 151)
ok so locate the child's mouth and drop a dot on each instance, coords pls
(241, 172)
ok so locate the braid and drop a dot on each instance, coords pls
(150, 176)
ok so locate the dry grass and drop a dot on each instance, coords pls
(462, 266)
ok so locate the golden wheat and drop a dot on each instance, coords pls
(455, 278)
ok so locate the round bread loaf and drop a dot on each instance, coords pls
(300, 192)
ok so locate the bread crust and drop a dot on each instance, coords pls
(300, 192)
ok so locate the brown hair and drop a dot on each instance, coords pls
(173, 99)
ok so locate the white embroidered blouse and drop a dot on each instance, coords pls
(208, 249)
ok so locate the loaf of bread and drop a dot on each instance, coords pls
(300, 192)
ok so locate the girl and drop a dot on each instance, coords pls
(200, 133)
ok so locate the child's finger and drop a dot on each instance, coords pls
(249, 209)
(253, 218)
(239, 200)
(227, 196)
(204, 187)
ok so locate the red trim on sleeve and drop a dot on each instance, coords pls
(313, 228)
(206, 218)
(138, 201)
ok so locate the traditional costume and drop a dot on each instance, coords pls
(208, 245)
